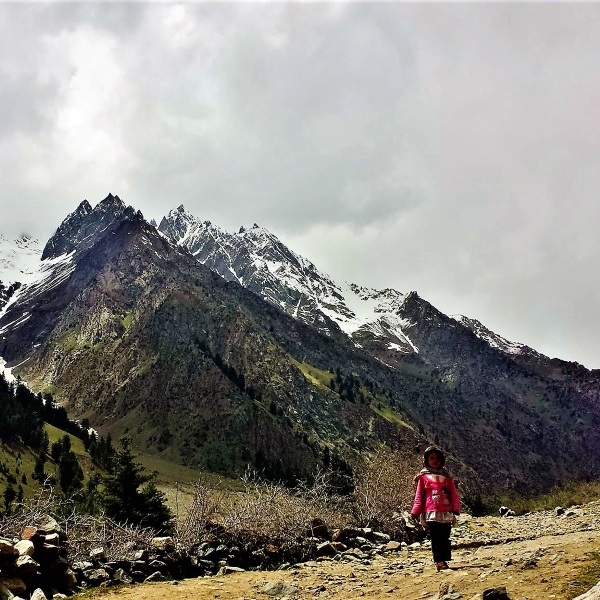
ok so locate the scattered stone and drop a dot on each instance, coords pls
(506, 512)
(156, 576)
(498, 593)
(279, 589)
(393, 546)
(38, 594)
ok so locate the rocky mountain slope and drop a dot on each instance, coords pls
(261, 359)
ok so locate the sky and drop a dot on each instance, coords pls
(447, 148)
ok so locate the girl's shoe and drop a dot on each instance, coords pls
(441, 566)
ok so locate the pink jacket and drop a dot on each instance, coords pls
(435, 493)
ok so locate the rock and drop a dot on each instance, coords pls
(393, 546)
(47, 526)
(593, 594)
(156, 576)
(318, 528)
(38, 594)
(47, 554)
(66, 581)
(559, 510)
(140, 555)
(380, 537)
(26, 565)
(29, 533)
(82, 565)
(122, 577)
(326, 549)
(279, 589)
(345, 534)
(7, 548)
(228, 569)
(96, 576)
(498, 593)
(52, 539)
(98, 555)
(11, 585)
(166, 544)
(506, 512)
(25, 548)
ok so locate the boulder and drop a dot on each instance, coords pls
(25, 547)
(11, 585)
(279, 589)
(26, 566)
(98, 555)
(165, 544)
(498, 593)
(592, 594)
(38, 594)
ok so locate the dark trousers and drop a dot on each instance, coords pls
(440, 541)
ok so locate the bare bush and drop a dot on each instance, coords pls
(118, 541)
(384, 487)
(207, 502)
(83, 532)
(265, 512)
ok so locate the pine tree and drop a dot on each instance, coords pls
(125, 501)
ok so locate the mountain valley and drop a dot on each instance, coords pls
(218, 350)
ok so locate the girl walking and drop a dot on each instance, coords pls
(436, 504)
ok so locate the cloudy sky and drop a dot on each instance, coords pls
(452, 149)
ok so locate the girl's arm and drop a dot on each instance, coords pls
(418, 507)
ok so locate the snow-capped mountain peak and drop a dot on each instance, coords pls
(261, 262)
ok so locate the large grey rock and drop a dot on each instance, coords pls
(592, 594)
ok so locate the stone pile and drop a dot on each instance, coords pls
(38, 560)
(36, 565)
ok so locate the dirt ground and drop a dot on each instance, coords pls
(544, 568)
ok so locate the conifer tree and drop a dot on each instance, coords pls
(124, 498)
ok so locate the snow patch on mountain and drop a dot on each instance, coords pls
(19, 259)
(46, 276)
(259, 261)
(493, 339)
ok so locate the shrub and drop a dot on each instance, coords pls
(384, 488)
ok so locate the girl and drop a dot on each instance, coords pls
(436, 504)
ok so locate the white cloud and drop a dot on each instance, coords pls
(448, 148)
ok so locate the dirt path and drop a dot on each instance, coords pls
(542, 568)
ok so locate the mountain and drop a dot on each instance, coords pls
(262, 359)
(259, 261)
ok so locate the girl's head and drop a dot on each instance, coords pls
(434, 458)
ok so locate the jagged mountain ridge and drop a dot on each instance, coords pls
(141, 335)
(259, 261)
